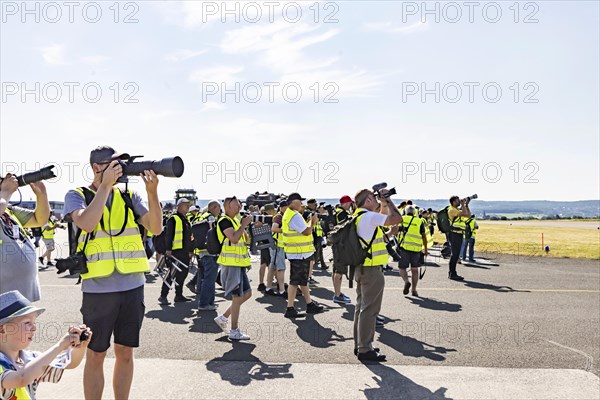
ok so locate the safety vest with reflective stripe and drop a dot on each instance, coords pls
(49, 234)
(278, 238)
(105, 252)
(338, 211)
(458, 225)
(20, 393)
(232, 255)
(471, 222)
(21, 228)
(413, 241)
(178, 237)
(295, 242)
(318, 230)
(378, 252)
(201, 217)
(428, 234)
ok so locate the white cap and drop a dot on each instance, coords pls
(183, 200)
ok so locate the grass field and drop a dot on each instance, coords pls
(565, 239)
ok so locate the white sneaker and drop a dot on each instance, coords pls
(222, 322)
(236, 334)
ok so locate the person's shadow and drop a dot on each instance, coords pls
(275, 304)
(312, 332)
(176, 313)
(434, 304)
(487, 286)
(393, 385)
(239, 367)
(411, 347)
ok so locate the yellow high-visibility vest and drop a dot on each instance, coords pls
(105, 251)
(49, 234)
(20, 393)
(378, 251)
(178, 237)
(413, 241)
(295, 242)
(458, 225)
(233, 255)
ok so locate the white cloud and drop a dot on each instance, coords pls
(212, 106)
(218, 74)
(181, 55)
(387, 27)
(54, 55)
(94, 60)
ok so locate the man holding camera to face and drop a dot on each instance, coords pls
(369, 277)
(113, 276)
(457, 229)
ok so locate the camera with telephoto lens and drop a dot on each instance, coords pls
(379, 187)
(254, 218)
(75, 264)
(468, 199)
(171, 167)
(36, 176)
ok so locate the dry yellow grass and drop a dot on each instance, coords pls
(582, 241)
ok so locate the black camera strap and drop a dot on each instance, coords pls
(404, 233)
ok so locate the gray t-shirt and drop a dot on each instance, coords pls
(18, 264)
(116, 282)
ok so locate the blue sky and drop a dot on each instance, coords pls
(369, 61)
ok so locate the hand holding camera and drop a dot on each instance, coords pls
(9, 184)
(76, 336)
(112, 173)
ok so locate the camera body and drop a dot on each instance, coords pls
(469, 198)
(75, 264)
(379, 187)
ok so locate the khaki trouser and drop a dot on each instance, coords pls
(369, 295)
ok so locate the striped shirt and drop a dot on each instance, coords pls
(51, 374)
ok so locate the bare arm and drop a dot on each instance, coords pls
(276, 229)
(394, 216)
(152, 220)
(42, 208)
(234, 236)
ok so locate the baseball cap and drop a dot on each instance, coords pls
(311, 201)
(268, 207)
(345, 199)
(106, 153)
(294, 196)
(283, 203)
(183, 200)
(194, 208)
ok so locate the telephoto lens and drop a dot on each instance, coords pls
(36, 176)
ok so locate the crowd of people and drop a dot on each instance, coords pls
(114, 233)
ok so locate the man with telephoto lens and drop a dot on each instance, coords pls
(457, 229)
(369, 277)
(113, 282)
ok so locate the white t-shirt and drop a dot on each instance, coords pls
(369, 221)
(298, 224)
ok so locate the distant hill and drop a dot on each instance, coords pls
(536, 208)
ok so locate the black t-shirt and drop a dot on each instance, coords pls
(225, 223)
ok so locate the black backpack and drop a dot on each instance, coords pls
(200, 231)
(160, 242)
(443, 221)
(468, 230)
(213, 245)
(347, 245)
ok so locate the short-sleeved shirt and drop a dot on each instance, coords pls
(368, 222)
(50, 374)
(18, 261)
(298, 224)
(116, 282)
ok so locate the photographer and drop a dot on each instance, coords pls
(414, 239)
(277, 267)
(179, 246)
(234, 261)
(207, 266)
(342, 213)
(18, 263)
(343, 210)
(48, 237)
(299, 249)
(313, 208)
(265, 254)
(113, 285)
(369, 277)
(457, 229)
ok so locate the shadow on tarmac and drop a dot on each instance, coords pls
(411, 347)
(309, 330)
(176, 313)
(434, 304)
(487, 286)
(394, 385)
(252, 369)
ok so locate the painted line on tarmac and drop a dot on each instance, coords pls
(421, 288)
(589, 359)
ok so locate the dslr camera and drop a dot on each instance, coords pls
(171, 167)
(36, 176)
(379, 187)
(75, 264)
(469, 198)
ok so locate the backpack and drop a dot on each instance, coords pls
(347, 245)
(160, 242)
(443, 222)
(200, 231)
(213, 245)
(468, 230)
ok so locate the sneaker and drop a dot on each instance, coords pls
(163, 301)
(181, 299)
(406, 287)
(345, 297)
(291, 312)
(324, 266)
(376, 349)
(387, 268)
(49, 264)
(192, 287)
(313, 308)
(271, 292)
(379, 323)
(472, 260)
(41, 260)
(455, 277)
(340, 299)
(380, 318)
(222, 322)
(283, 294)
(459, 261)
(262, 287)
(236, 334)
(371, 356)
(312, 281)
(207, 308)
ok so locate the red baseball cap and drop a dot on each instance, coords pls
(345, 199)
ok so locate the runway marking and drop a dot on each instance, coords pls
(589, 359)
(421, 288)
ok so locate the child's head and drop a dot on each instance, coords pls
(17, 320)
